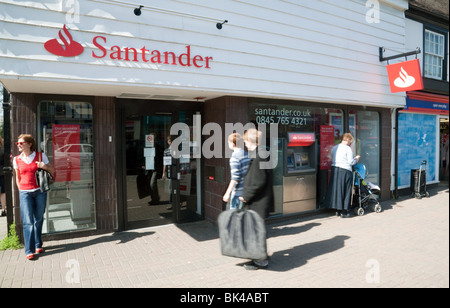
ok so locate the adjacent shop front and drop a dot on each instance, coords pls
(423, 137)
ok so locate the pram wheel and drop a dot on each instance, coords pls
(359, 211)
(376, 207)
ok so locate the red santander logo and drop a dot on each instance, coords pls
(70, 48)
(405, 76)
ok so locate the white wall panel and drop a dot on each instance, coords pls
(322, 51)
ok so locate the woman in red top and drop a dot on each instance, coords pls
(32, 200)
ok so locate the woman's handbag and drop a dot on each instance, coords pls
(43, 178)
(242, 234)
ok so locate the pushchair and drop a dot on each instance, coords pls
(364, 194)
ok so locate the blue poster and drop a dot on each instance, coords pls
(416, 142)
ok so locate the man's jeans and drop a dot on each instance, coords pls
(235, 203)
(32, 209)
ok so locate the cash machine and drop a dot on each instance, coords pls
(299, 180)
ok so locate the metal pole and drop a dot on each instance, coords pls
(383, 58)
(176, 191)
(7, 168)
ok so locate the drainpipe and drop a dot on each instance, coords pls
(396, 152)
(7, 168)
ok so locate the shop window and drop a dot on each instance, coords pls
(365, 128)
(331, 131)
(65, 135)
(306, 135)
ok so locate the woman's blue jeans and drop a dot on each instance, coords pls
(32, 209)
(235, 203)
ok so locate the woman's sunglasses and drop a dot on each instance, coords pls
(21, 143)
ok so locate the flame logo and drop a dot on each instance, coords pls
(404, 81)
(71, 48)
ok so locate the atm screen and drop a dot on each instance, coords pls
(299, 159)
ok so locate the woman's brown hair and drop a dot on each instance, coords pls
(28, 138)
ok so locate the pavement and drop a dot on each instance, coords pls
(404, 246)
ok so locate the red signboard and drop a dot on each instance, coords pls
(326, 145)
(301, 139)
(405, 76)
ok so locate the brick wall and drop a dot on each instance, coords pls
(221, 110)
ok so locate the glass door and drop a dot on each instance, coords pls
(152, 196)
(65, 135)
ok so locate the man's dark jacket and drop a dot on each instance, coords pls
(258, 191)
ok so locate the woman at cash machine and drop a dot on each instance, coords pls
(340, 189)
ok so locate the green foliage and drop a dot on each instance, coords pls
(12, 240)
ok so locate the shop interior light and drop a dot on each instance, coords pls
(137, 11)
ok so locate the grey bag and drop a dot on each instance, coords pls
(242, 234)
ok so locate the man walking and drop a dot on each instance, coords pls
(258, 193)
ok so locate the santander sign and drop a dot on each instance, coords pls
(71, 48)
(405, 76)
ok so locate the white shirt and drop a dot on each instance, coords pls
(342, 157)
(30, 158)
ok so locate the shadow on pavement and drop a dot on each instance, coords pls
(274, 231)
(285, 260)
(119, 237)
(200, 231)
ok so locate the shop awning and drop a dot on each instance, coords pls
(429, 103)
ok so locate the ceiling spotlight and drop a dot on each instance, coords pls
(138, 12)
(219, 25)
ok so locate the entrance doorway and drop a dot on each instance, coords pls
(151, 193)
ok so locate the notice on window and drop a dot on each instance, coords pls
(149, 141)
(66, 152)
(185, 184)
(326, 145)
